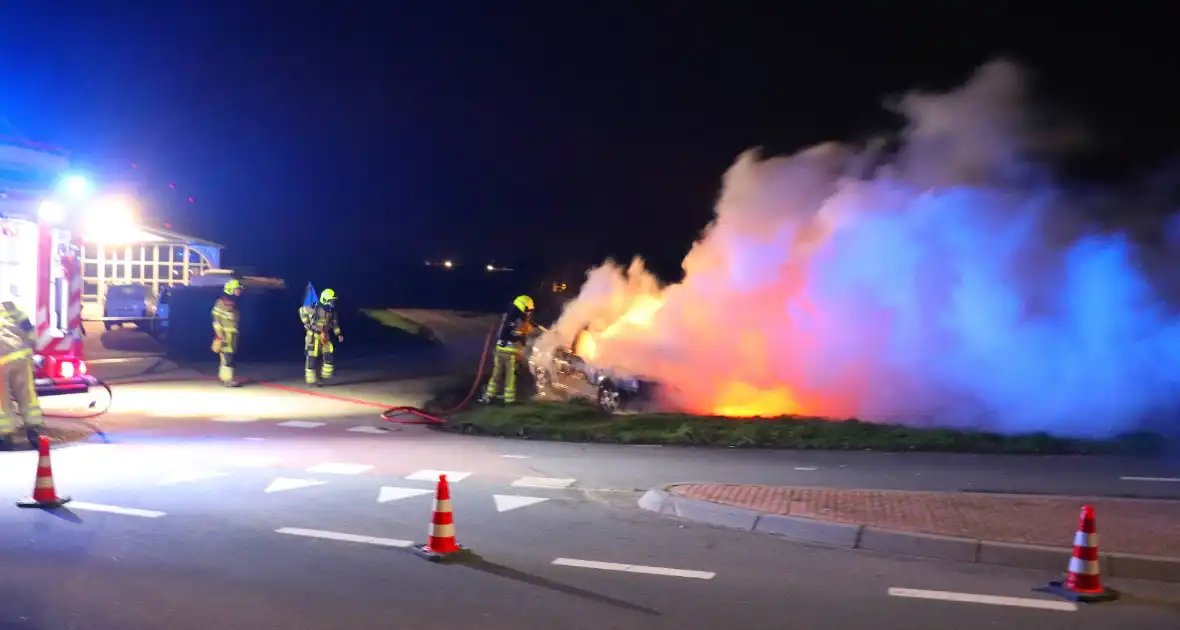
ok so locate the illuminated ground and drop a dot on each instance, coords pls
(196, 489)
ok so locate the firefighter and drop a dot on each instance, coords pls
(321, 322)
(514, 330)
(17, 341)
(225, 331)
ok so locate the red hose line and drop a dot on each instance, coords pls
(421, 416)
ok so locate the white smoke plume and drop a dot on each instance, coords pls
(952, 283)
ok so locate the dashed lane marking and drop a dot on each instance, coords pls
(368, 429)
(235, 419)
(806, 468)
(515, 456)
(453, 476)
(286, 483)
(255, 439)
(338, 468)
(319, 533)
(543, 482)
(995, 600)
(301, 424)
(113, 509)
(1159, 479)
(182, 476)
(391, 493)
(634, 568)
(253, 461)
(506, 502)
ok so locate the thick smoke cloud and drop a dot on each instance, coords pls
(950, 283)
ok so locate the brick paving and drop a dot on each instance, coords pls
(1124, 525)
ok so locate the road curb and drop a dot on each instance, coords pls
(853, 536)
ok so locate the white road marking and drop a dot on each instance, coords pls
(807, 468)
(235, 419)
(301, 424)
(368, 429)
(182, 476)
(505, 502)
(515, 456)
(113, 509)
(255, 439)
(286, 483)
(543, 482)
(253, 461)
(391, 493)
(338, 468)
(432, 475)
(634, 568)
(1162, 479)
(319, 533)
(972, 598)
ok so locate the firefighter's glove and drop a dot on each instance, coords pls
(216, 347)
(340, 338)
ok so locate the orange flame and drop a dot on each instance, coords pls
(740, 400)
(584, 345)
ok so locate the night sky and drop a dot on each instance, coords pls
(327, 142)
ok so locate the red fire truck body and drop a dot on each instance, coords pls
(40, 264)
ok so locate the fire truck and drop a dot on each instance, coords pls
(40, 263)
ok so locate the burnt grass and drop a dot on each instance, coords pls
(582, 422)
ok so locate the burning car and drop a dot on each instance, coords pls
(560, 372)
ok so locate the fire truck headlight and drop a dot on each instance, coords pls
(50, 211)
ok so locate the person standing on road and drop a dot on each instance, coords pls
(17, 340)
(225, 331)
(515, 328)
(321, 322)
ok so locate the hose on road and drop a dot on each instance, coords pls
(83, 418)
(417, 415)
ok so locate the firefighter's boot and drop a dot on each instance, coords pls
(6, 443)
(33, 434)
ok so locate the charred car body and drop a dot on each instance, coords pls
(561, 373)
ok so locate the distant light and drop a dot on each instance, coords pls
(134, 165)
(50, 211)
(191, 200)
(168, 225)
(76, 186)
(173, 186)
(447, 264)
(491, 268)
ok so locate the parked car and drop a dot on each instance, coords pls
(128, 304)
(159, 313)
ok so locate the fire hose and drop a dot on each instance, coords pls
(82, 418)
(421, 416)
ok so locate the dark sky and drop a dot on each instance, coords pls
(344, 137)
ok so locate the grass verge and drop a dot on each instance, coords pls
(582, 422)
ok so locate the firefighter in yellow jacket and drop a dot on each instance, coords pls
(225, 331)
(321, 323)
(17, 341)
(514, 330)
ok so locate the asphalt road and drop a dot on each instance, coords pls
(173, 526)
(263, 508)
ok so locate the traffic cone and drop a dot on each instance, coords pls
(441, 544)
(44, 494)
(1083, 582)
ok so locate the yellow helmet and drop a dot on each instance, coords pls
(524, 303)
(233, 285)
(327, 297)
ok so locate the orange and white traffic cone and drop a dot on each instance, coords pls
(441, 544)
(44, 494)
(1083, 582)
